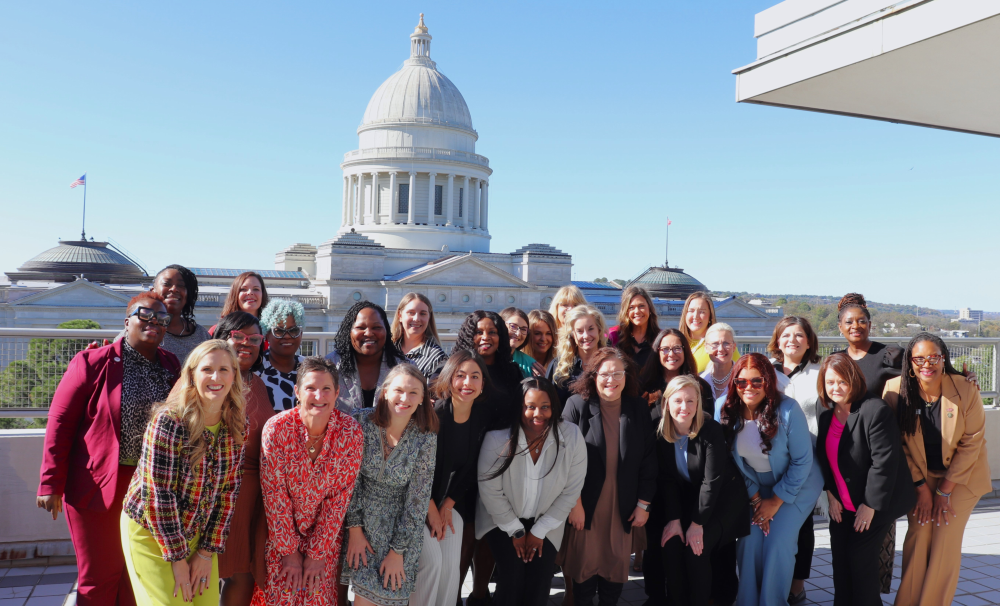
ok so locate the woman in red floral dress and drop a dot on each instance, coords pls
(309, 462)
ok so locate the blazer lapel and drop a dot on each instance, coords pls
(116, 372)
(622, 432)
(852, 419)
(596, 430)
(950, 407)
(694, 463)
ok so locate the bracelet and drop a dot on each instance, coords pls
(756, 501)
(942, 493)
(920, 483)
(200, 555)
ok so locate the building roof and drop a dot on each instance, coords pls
(73, 258)
(354, 239)
(231, 273)
(585, 284)
(539, 249)
(670, 283)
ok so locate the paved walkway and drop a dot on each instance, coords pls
(979, 585)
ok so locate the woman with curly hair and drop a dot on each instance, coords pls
(637, 326)
(771, 445)
(178, 507)
(565, 299)
(364, 354)
(581, 336)
(281, 321)
(415, 334)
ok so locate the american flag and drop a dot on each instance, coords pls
(81, 181)
(669, 222)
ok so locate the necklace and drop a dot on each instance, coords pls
(311, 443)
(386, 447)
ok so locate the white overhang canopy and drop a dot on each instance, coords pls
(933, 63)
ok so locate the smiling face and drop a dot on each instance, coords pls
(246, 352)
(170, 285)
(751, 395)
(793, 343)
(696, 318)
(927, 373)
(144, 332)
(404, 394)
(610, 379)
(518, 330)
(284, 346)
(250, 295)
(541, 338)
(586, 334)
(415, 317)
(213, 377)
(536, 413)
(671, 353)
(368, 333)
(854, 325)
(837, 388)
(683, 405)
(467, 382)
(638, 312)
(719, 345)
(317, 394)
(486, 339)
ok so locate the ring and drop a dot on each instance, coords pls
(203, 580)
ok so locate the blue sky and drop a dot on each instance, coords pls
(212, 134)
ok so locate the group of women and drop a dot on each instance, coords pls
(247, 474)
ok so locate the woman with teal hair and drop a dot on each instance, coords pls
(282, 322)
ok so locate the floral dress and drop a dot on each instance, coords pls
(306, 501)
(390, 503)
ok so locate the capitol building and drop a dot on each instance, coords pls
(415, 216)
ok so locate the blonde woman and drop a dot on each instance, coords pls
(415, 334)
(719, 343)
(181, 499)
(541, 339)
(697, 316)
(580, 337)
(565, 299)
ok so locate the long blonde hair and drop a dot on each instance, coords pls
(566, 348)
(667, 429)
(568, 294)
(543, 317)
(184, 404)
(430, 333)
(687, 304)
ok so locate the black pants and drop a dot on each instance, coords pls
(807, 545)
(607, 592)
(690, 577)
(855, 561)
(725, 582)
(520, 583)
(654, 582)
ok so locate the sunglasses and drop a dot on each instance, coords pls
(292, 332)
(152, 316)
(756, 382)
(931, 360)
(240, 337)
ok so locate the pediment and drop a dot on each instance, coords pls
(78, 294)
(735, 308)
(463, 270)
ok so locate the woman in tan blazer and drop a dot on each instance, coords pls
(943, 425)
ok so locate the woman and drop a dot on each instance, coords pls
(415, 334)
(942, 419)
(179, 504)
(770, 442)
(697, 316)
(281, 322)
(866, 478)
(530, 476)
(309, 463)
(247, 293)
(541, 339)
(794, 350)
(565, 299)
(93, 440)
(386, 517)
(701, 501)
(517, 328)
(637, 326)
(720, 344)
(580, 338)
(463, 417)
(363, 355)
(620, 481)
(242, 563)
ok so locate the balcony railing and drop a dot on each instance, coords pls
(217, 300)
(418, 153)
(32, 361)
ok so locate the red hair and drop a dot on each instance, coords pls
(767, 417)
(145, 296)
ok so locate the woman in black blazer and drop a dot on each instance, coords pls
(865, 474)
(621, 476)
(701, 499)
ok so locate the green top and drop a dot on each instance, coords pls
(214, 429)
(524, 361)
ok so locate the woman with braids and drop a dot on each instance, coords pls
(769, 438)
(637, 326)
(530, 477)
(541, 340)
(415, 334)
(363, 354)
(179, 504)
(281, 321)
(565, 299)
(941, 416)
(697, 316)
(581, 336)
(242, 563)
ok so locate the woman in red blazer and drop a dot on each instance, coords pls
(93, 439)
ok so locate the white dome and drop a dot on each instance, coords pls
(421, 94)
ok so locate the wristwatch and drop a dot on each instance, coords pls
(643, 506)
(518, 534)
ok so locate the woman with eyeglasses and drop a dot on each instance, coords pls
(281, 322)
(580, 337)
(247, 294)
(415, 334)
(242, 563)
(697, 316)
(565, 299)
(719, 343)
(621, 476)
(771, 445)
(517, 328)
(363, 354)
(541, 341)
(943, 422)
(637, 326)
(93, 440)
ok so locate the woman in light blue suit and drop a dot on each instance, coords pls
(772, 447)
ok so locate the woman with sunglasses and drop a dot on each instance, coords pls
(541, 341)
(637, 326)
(771, 445)
(281, 322)
(93, 440)
(517, 328)
(364, 354)
(242, 563)
(415, 334)
(943, 422)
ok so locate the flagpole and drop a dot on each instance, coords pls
(666, 261)
(83, 227)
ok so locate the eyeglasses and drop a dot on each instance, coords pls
(920, 361)
(719, 345)
(756, 382)
(517, 329)
(674, 350)
(152, 316)
(616, 375)
(292, 332)
(242, 338)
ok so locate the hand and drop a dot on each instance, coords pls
(537, 369)
(836, 509)
(970, 376)
(765, 527)
(182, 580)
(577, 518)
(94, 345)
(925, 502)
(50, 503)
(445, 513)
(766, 509)
(519, 546)
(673, 528)
(639, 516)
(392, 570)
(942, 510)
(358, 548)
(434, 522)
(695, 538)
(532, 546)
(291, 570)
(652, 397)
(863, 518)
(201, 572)
(313, 571)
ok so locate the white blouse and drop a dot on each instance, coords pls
(749, 448)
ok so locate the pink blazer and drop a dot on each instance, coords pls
(84, 427)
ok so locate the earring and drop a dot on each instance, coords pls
(911, 373)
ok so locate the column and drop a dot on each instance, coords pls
(484, 221)
(392, 196)
(361, 202)
(449, 200)
(430, 200)
(354, 200)
(375, 209)
(413, 188)
(345, 212)
(474, 203)
(465, 212)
